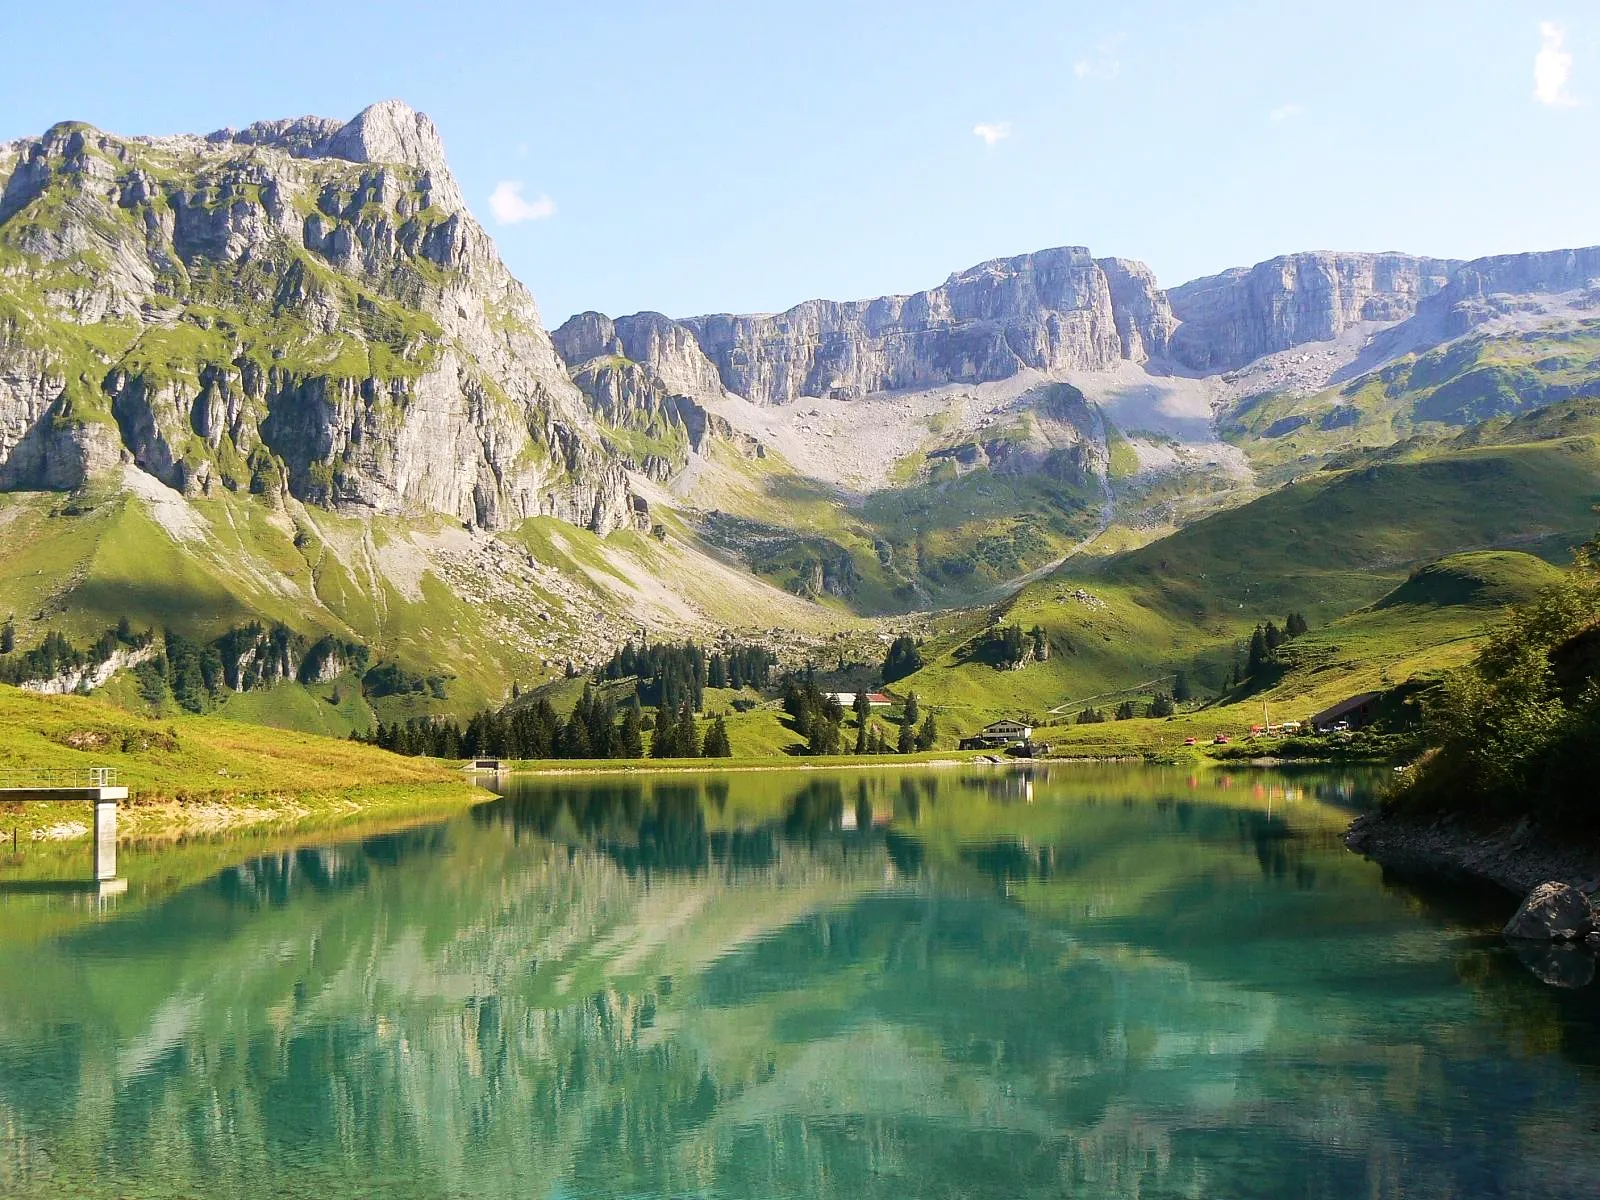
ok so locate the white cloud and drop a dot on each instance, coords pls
(511, 207)
(1552, 67)
(1104, 63)
(992, 131)
(1284, 112)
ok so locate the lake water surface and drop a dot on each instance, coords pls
(1083, 981)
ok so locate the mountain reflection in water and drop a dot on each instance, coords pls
(1085, 981)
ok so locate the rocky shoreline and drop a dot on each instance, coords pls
(1515, 858)
(1555, 933)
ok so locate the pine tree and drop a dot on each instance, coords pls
(8, 636)
(1181, 691)
(907, 741)
(630, 743)
(716, 743)
(903, 659)
(687, 738)
(1258, 652)
(928, 734)
(912, 711)
(1274, 637)
(1161, 706)
(664, 741)
(1126, 711)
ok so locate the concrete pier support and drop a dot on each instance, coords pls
(97, 786)
(105, 840)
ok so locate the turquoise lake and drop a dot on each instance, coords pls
(1075, 981)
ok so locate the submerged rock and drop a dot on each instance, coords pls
(1552, 912)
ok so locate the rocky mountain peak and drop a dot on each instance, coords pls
(301, 308)
(390, 131)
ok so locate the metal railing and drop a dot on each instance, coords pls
(68, 777)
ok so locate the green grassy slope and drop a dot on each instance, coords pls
(1325, 546)
(180, 770)
(1433, 396)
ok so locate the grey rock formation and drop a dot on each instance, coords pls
(1552, 912)
(607, 361)
(1233, 318)
(1054, 310)
(302, 306)
(1489, 287)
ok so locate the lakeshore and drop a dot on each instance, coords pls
(1513, 856)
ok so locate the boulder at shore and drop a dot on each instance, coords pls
(1552, 912)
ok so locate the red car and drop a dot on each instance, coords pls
(1220, 740)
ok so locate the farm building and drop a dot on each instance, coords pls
(997, 734)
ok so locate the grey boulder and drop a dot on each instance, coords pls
(1552, 912)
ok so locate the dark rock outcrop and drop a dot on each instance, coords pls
(1552, 911)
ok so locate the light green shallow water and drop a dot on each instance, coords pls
(1091, 981)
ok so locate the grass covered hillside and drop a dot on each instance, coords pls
(1432, 396)
(1325, 546)
(195, 774)
(457, 616)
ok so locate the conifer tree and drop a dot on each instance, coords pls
(928, 734)
(1182, 693)
(1258, 652)
(630, 742)
(664, 741)
(687, 738)
(716, 744)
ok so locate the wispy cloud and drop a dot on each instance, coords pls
(511, 207)
(1552, 67)
(1103, 63)
(1284, 112)
(992, 131)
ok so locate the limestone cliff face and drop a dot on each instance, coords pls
(1054, 310)
(302, 306)
(640, 375)
(1230, 319)
(1488, 287)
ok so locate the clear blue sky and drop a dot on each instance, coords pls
(703, 157)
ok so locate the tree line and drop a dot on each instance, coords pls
(198, 676)
(533, 730)
(819, 718)
(1265, 642)
(670, 674)
(56, 656)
